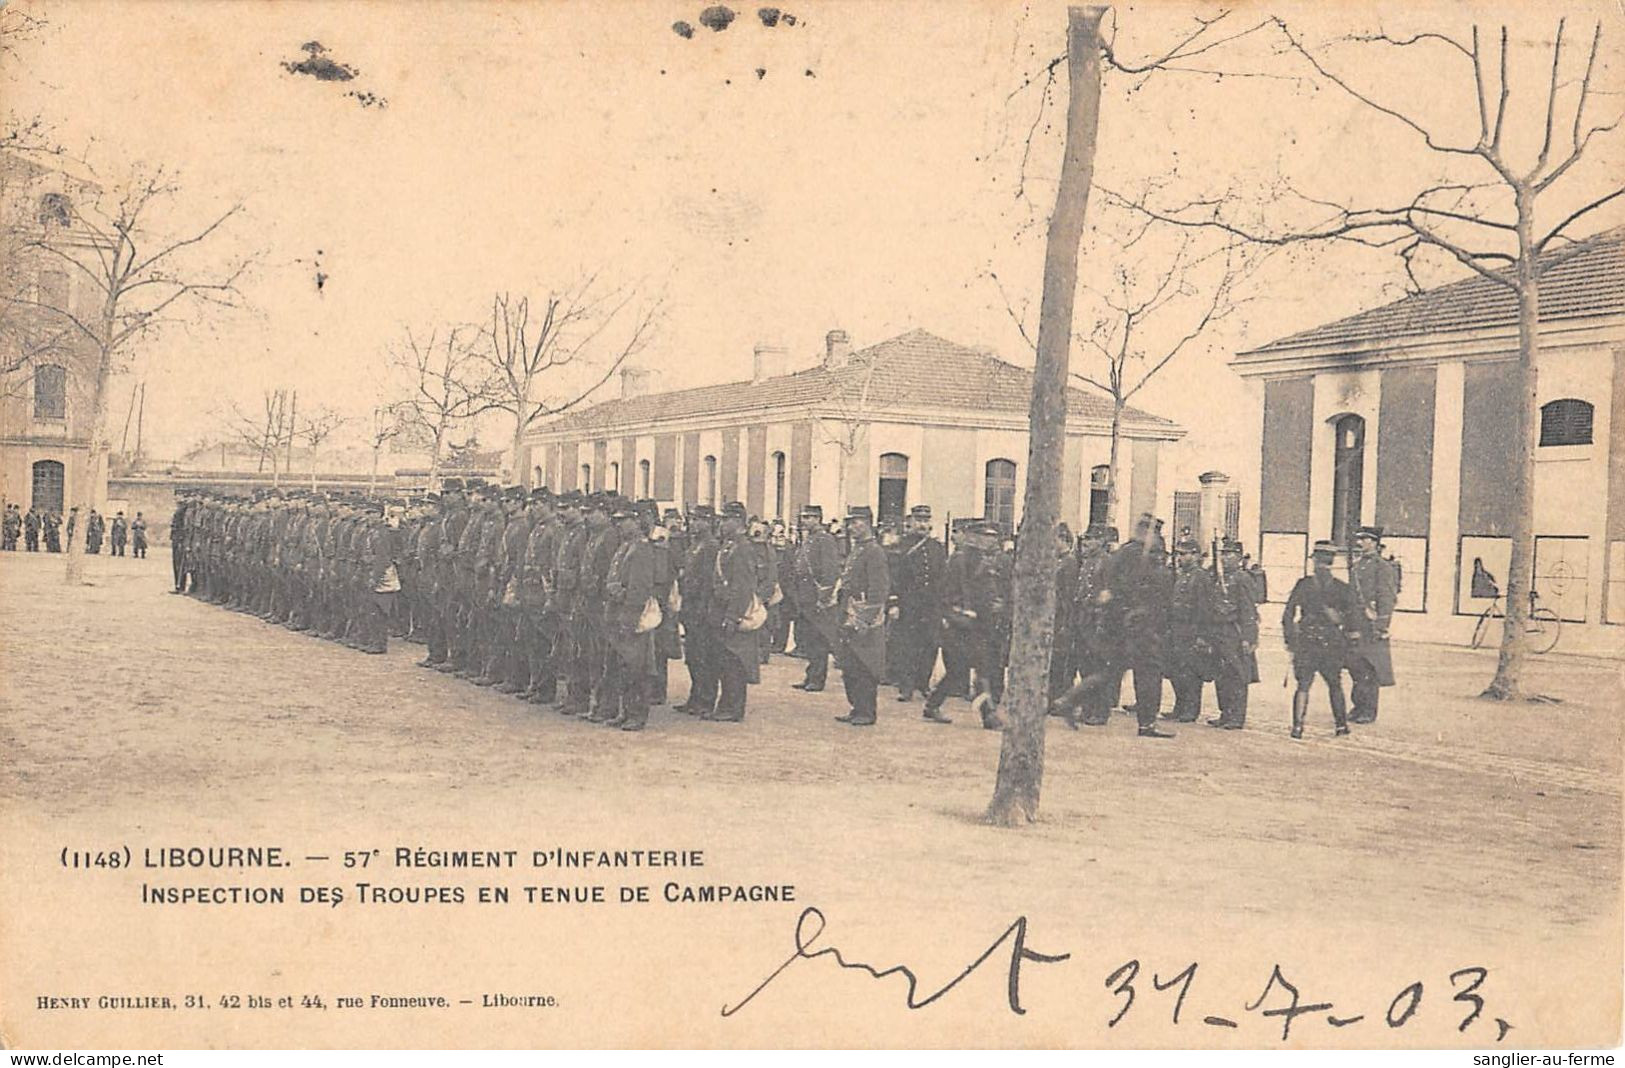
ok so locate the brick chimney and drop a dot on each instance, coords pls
(769, 361)
(837, 349)
(635, 381)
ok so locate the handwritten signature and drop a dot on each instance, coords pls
(1015, 934)
(811, 924)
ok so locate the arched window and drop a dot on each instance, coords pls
(1348, 477)
(614, 485)
(1565, 422)
(586, 478)
(711, 481)
(893, 495)
(778, 485)
(50, 392)
(1100, 491)
(645, 480)
(999, 492)
(537, 477)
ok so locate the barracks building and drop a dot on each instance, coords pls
(1399, 416)
(912, 420)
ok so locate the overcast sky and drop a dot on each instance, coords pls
(856, 169)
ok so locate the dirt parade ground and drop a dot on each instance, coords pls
(1375, 872)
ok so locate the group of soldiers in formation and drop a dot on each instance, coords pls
(582, 600)
(34, 526)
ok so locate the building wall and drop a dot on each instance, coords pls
(947, 465)
(1438, 449)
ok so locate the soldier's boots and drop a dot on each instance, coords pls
(1300, 711)
(934, 714)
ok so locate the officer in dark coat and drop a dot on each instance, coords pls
(95, 529)
(1192, 610)
(119, 534)
(1138, 588)
(629, 586)
(736, 614)
(13, 527)
(1318, 610)
(816, 568)
(864, 590)
(138, 536)
(31, 529)
(1232, 632)
(917, 583)
(1375, 583)
(668, 645)
(695, 587)
(53, 532)
(976, 599)
(1063, 663)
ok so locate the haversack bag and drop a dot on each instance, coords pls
(650, 618)
(755, 615)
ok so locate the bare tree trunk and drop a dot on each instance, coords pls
(1021, 756)
(518, 476)
(95, 457)
(1111, 469)
(1508, 682)
(434, 455)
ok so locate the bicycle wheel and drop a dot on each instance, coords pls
(1482, 631)
(1542, 630)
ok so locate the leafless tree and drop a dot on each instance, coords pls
(268, 431)
(1161, 297)
(440, 384)
(547, 358)
(1503, 210)
(313, 427)
(134, 277)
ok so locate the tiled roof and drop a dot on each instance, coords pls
(1581, 280)
(916, 370)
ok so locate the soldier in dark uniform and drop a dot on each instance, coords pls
(567, 596)
(600, 550)
(378, 552)
(1318, 609)
(510, 664)
(1063, 663)
(95, 529)
(667, 645)
(976, 607)
(734, 597)
(1233, 635)
(815, 570)
(1376, 587)
(768, 585)
(536, 633)
(865, 588)
(138, 536)
(917, 583)
(53, 532)
(696, 586)
(628, 588)
(119, 534)
(1191, 616)
(13, 525)
(31, 528)
(454, 522)
(177, 541)
(784, 611)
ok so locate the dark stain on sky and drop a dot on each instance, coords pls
(319, 65)
(717, 17)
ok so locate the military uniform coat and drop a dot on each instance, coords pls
(628, 585)
(737, 578)
(865, 589)
(1375, 587)
(1314, 620)
(816, 567)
